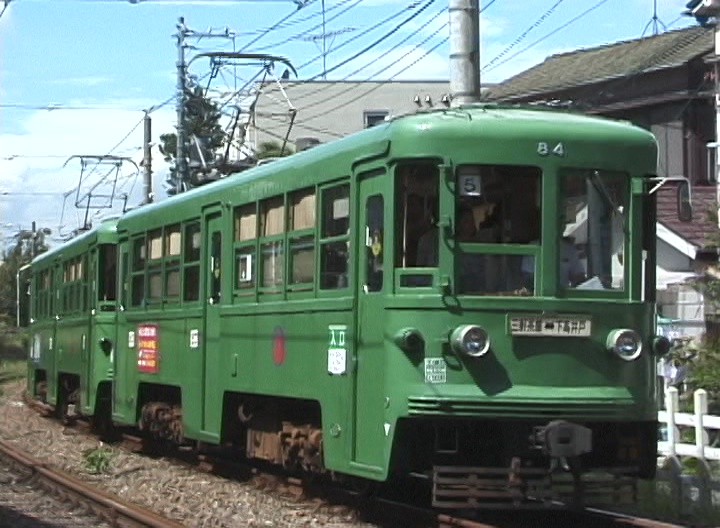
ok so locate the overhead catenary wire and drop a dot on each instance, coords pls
(310, 30)
(275, 26)
(346, 91)
(396, 46)
(548, 35)
(376, 42)
(525, 33)
(296, 21)
(377, 86)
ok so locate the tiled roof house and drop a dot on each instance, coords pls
(662, 82)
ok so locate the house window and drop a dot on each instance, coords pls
(374, 117)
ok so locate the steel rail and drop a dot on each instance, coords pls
(111, 509)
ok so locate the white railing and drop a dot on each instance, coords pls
(699, 419)
(698, 490)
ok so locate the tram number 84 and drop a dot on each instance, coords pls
(544, 149)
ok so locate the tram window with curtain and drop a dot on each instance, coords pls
(244, 240)
(191, 262)
(301, 239)
(335, 237)
(272, 250)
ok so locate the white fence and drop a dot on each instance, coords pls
(699, 420)
(699, 489)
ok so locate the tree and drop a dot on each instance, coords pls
(202, 123)
(272, 149)
(703, 356)
(27, 245)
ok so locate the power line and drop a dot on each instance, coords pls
(6, 3)
(308, 31)
(556, 30)
(378, 41)
(275, 26)
(525, 33)
(397, 45)
(376, 87)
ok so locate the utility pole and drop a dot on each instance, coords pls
(464, 51)
(707, 12)
(325, 49)
(147, 159)
(180, 157)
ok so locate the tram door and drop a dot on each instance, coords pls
(212, 402)
(86, 352)
(373, 282)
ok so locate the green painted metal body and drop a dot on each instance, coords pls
(65, 341)
(209, 350)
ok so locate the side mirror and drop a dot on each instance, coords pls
(684, 201)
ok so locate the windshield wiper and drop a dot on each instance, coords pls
(597, 182)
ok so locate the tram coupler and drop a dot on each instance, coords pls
(562, 439)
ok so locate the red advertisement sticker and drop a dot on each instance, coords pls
(148, 354)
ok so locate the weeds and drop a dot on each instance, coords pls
(98, 459)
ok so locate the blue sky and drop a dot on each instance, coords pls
(101, 63)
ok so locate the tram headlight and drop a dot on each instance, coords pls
(625, 344)
(472, 340)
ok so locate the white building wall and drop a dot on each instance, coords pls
(328, 110)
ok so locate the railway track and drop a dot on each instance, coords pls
(97, 506)
(371, 508)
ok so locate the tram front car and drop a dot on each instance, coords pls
(523, 311)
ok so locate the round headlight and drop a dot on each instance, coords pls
(625, 344)
(471, 340)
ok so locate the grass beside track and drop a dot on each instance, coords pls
(11, 370)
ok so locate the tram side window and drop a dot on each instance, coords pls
(107, 281)
(416, 215)
(245, 232)
(191, 265)
(154, 257)
(43, 294)
(137, 295)
(172, 246)
(272, 229)
(335, 237)
(46, 286)
(374, 245)
(74, 287)
(301, 239)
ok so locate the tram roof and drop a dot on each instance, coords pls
(494, 121)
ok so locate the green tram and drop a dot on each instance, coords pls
(73, 290)
(460, 297)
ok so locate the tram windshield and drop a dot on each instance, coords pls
(498, 205)
(594, 227)
(494, 234)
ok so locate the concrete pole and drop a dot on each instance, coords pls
(180, 157)
(147, 160)
(464, 51)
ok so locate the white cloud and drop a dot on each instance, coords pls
(33, 180)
